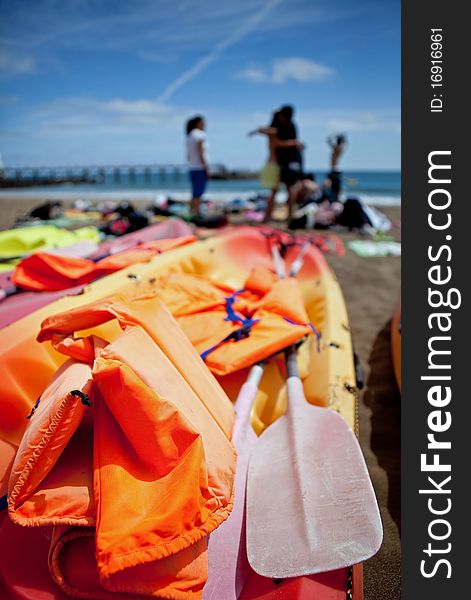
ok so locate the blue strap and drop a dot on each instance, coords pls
(231, 314)
(3, 502)
(313, 329)
(36, 404)
(237, 335)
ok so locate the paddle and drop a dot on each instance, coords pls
(228, 565)
(310, 503)
(278, 261)
(298, 262)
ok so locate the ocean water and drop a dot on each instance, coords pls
(374, 187)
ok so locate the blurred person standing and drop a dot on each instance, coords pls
(275, 171)
(289, 156)
(338, 144)
(197, 161)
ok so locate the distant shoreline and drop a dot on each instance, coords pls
(139, 195)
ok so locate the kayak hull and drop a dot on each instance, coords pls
(21, 304)
(24, 573)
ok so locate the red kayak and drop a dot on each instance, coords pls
(28, 547)
(23, 303)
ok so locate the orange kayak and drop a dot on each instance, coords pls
(328, 376)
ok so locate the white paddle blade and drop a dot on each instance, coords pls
(227, 556)
(310, 502)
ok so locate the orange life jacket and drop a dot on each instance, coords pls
(127, 454)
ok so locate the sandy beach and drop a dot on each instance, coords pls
(371, 287)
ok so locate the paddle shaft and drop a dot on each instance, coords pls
(245, 399)
(227, 555)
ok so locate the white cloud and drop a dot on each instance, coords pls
(254, 73)
(361, 121)
(84, 116)
(302, 70)
(12, 63)
(84, 130)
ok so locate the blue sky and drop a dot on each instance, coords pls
(112, 81)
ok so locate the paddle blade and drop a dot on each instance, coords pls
(310, 502)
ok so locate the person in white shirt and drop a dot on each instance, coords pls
(197, 160)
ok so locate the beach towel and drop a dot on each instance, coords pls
(367, 248)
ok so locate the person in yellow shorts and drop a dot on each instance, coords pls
(270, 176)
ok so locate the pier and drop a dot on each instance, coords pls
(24, 176)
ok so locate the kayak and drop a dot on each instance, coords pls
(21, 304)
(328, 381)
(396, 343)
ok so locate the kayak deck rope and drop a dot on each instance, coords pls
(311, 327)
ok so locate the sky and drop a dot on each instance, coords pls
(113, 81)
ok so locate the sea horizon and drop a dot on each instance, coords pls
(378, 187)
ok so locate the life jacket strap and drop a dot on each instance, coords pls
(237, 335)
(231, 313)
